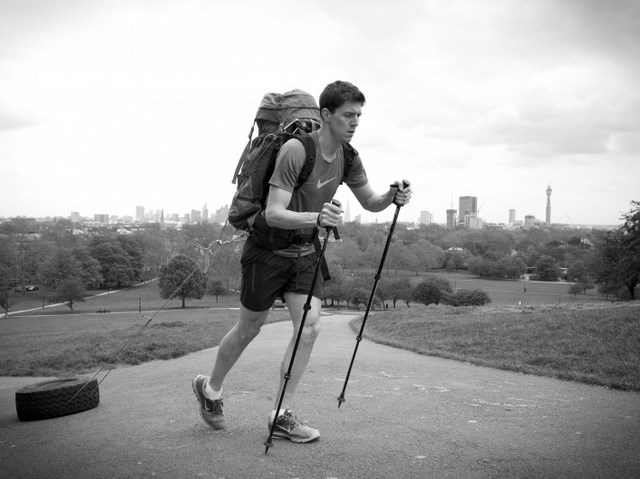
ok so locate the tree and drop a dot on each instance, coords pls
(218, 288)
(135, 252)
(398, 289)
(616, 259)
(455, 259)
(427, 293)
(64, 275)
(428, 255)
(181, 278)
(60, 266)
(68, 291)
(512, 266)
(359, 296)
(115, 262)
(546, 269)
(575, 289)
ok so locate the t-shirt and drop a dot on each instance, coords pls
(322, 184)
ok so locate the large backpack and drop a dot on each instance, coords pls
(280, 117)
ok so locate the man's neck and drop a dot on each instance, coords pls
(329, 144)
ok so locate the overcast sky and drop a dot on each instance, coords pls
(105, 105)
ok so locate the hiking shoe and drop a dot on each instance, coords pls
(210, 410)
(289, 427)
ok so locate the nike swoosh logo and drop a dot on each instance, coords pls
(322, 183)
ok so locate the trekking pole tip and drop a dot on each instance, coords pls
(341, 399)
(267, 444)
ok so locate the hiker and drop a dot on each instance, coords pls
(268, 274)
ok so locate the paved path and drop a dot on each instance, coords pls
(406, 416)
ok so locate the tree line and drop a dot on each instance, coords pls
(67, 260)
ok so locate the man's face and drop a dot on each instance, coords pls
(344, 120)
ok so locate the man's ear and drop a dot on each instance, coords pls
(325, 114)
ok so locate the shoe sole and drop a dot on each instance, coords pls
(296, 439)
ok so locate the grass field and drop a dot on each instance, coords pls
(595, 344)
(549, 333)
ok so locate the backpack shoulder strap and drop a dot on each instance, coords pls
(349, 154)
(310, 161)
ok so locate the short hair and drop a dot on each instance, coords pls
(338, 93)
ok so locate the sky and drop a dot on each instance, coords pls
(106, 105)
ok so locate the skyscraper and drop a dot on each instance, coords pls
(451, 218)
(512, 216)
(468, 206)
(139, 213)
(548, 204)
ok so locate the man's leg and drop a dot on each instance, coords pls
(234, 343)
(208, 391)
(310, 332)
(287, 424)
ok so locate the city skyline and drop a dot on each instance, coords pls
(490, 99)
(453, 218)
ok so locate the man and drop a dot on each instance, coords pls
(288, 272)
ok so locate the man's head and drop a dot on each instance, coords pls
(340, 107)
(339, 92)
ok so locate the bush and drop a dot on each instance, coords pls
(431, 290)
(467, 297)
(427, 293)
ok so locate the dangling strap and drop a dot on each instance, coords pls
(324, 269)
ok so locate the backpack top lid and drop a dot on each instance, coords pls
(284, 108)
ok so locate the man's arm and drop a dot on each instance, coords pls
(375, 202)
(278, 216)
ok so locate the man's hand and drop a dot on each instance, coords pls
(330, 214)
(402, 190)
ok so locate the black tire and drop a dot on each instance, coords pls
(55, 398)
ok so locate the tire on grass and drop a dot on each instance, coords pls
(55, 398)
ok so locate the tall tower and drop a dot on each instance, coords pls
(451, 218)
(548, 204)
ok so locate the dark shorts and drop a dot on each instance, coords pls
(267, 276)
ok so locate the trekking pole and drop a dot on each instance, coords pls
(307, 306)
(341, 398)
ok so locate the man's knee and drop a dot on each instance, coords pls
(250, 324)
(310, 331)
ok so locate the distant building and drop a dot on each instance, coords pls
(196, 216)
(75, 216)
(468, 205)
(205, 213)
(221, 214)
(426, 218)
(512, 217)
(530, 221)
(451, 218)
(101, 219)
(472, 222)
(139, 213)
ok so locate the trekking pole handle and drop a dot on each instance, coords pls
(405, 184)
(334, 202)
